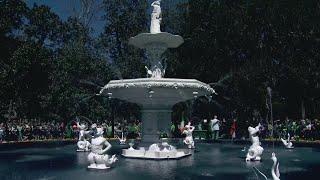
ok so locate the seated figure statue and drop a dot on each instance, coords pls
(255, 150)
(188, 140)
(83, 144)
(97, 157)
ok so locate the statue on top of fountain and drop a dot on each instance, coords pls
(99, 146)
(255, 151)
(155, 17)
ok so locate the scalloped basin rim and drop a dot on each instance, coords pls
(161, 82)
(151, 92)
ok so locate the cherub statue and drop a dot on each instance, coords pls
(188, 140)
(287, 143)
(83, 144)
(99, 146)
(155, 17)
(255, 150)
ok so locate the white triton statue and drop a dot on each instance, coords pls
(83, 144)
(122, 140)
(255, 150)
(97, 157)
(274, 170)
(189, 139)
(287, 143)
(155, 17)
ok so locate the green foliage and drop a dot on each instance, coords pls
(52, 68)
(43, 26)
(258, 43)
(124, 19)
(27, 79)
(11, 12)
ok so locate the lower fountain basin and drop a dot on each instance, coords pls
(210, 161)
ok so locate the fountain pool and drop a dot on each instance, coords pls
(209, 161)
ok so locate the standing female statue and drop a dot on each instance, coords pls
(155, 17)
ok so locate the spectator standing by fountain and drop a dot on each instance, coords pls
(215, 127)
(233, 129)
(19, 128)
(172, 129)
(109, 130)
(223, 128)
(1, 132)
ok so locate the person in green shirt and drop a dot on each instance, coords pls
(109, 130)
(172, 129)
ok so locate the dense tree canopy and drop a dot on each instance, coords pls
(52, 68)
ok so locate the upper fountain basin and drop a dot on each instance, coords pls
(143, 40)
(152, 92)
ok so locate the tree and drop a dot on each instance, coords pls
(124, 19)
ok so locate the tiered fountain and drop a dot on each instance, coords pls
(156, 95)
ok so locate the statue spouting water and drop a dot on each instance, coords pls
(275, 173)
(287, 143)
(98, 158)
(83, 144)
(255, 151)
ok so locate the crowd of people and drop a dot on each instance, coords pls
(298, 129)
(30, 129)
(36, 129)
(304, 129)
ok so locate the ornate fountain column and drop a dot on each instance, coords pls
(154, 121)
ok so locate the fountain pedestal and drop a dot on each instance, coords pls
(154, 121)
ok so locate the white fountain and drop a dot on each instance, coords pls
(156, 95)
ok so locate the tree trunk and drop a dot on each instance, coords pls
(303, 109)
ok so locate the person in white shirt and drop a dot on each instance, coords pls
(215, 127)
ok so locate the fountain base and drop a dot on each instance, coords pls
(162, 151)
